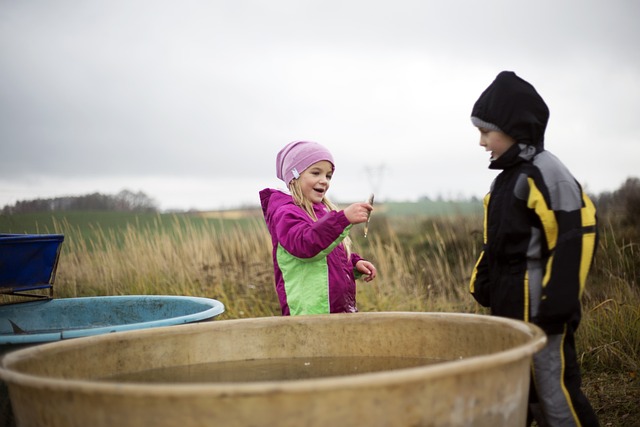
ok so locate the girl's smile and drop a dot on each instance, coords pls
(316, 180)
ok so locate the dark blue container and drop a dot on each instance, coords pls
(28, 262)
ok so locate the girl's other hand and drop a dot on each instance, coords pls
(367, 270)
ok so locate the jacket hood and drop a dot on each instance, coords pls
(271, 199)
(513, 105)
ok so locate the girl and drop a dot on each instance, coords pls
(314, 267)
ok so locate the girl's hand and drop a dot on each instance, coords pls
(358, 212)
(367, 269)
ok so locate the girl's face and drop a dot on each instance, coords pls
(315, 181)
(495, 142)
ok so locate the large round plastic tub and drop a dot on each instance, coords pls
(484, 380)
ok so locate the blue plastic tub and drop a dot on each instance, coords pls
(57, 319)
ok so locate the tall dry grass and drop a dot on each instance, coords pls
(233, 265)
(610, 336)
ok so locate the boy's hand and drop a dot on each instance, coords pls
(367, 269)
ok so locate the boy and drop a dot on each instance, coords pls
(539, 242)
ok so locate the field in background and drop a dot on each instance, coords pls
(424, 261)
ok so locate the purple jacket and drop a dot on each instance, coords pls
(313, 274)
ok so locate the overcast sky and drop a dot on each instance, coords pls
(190, 101)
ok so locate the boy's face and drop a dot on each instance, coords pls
(315, 180)
(496, 142)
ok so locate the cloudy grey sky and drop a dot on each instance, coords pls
(189, 101)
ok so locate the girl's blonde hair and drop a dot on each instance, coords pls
(307, 206)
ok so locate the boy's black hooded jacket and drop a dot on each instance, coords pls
(540, 228)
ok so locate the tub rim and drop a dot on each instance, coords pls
(234, 389)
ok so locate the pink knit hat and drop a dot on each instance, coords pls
(297, 156)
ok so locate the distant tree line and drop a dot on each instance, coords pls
(624, 203)
(124, 201)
